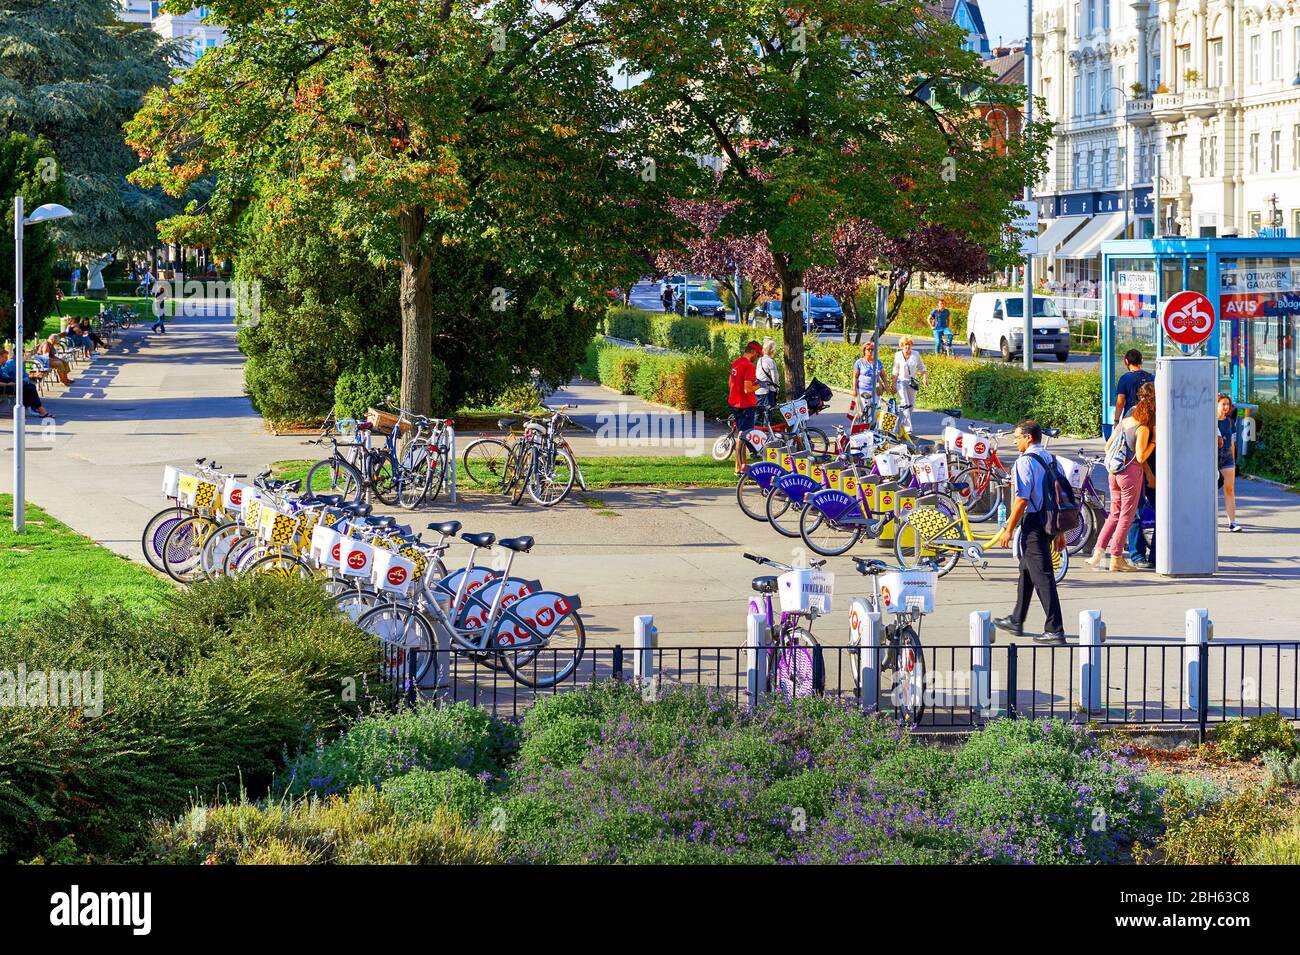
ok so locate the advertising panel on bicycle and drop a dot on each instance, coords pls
(1076, 472)
(902, 590)
(325, 546)
(358, 558)
(932, 469)
(171, 480)
(757, 438)
(795, 413)
(392, 573)
(806, 589)
(861, 439)
(232, 494)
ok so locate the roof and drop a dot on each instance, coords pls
(947, 10)
(1009, 68)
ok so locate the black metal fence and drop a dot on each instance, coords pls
(1154, 683)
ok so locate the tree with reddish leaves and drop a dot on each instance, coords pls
(728, 260)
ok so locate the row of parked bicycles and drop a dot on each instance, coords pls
(416, 458)
(382, 574)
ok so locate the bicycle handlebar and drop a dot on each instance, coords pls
(768, 562)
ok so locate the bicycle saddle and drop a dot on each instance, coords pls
(950, 412)
(289, 486)
(446, 528)
(381, 521)
(520, 545)
(329, 500)
(764, 585)
(869, 567)
(1051, 432)
(356, 508)
(479, 540)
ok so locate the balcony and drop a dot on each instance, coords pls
(1138, 111)
(1167, 106)
(1205, 102)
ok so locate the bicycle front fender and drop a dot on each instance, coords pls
(533, 619)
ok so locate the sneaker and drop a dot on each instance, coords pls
(1234, 528)
(1143, 564)
(1050, 639)
(1009, 625)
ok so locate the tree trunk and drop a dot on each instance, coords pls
(416, 299)
(792, 324)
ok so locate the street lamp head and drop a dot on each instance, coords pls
(48, 213)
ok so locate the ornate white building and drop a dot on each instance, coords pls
(1207, 90)
(196, 37)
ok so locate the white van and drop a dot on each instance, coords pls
(995, 323)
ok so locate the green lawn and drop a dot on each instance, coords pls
(83, 308)
(50, 563)
(605, 472)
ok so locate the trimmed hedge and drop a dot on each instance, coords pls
(680, 333)
(1276, 455)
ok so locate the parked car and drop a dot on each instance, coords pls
(824, 311)
(995, 323)
(769, 313)
(702, 301)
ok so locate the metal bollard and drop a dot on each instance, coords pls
(645, 637)
(1092, 634)
(1198, 631)
(864, 633)
(981, 664)
(755, 657)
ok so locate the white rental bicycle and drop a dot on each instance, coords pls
(908, 594)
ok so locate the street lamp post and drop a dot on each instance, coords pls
(46, 213)
(1127, 190)
(1027, 347)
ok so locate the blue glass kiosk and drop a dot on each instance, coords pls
(1254, 285)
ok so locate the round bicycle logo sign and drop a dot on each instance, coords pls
(1188, 318)
(397, 576)
(357, 559)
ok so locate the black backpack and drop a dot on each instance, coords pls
(1060, 506)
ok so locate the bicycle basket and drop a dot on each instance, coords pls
(393, 573)
(325, 546)
(357, 559)
(274, 526)
(888, 421)
(902, 590)
(384, 422)
(932, 469)
(203, 495)
(416, 557)
(1076, 472)
(232, 494)
(171, 481)
(888, 464)
(804, 589)
(795, 413)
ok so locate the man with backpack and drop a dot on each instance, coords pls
(1041, 514)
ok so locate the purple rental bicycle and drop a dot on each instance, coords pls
(795, 666)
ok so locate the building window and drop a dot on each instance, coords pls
(1143, 160)
(1105, 14)
(1275, 151)
(1122, 74)
(1295, 49)
(1276, 51)
(1216, 62)
(1295, 147)
(1254, 153)
(1254, 59)
(1253, 228)
(1200, 156)
(1077, 179)
(1295, 222)
(1078, 95)
(1105, 90)
(1094, 167)
(1107, 166)
(1155, 69)
(1078, 20)
(1214, 155)
(1092, 16)
(1092, 93)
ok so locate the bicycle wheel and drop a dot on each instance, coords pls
(826, 537)
(782, 513)
(335, 476)
(914, 536)
(818, 442)
(184, 546)
(553, 663)
(212, 559)
(1060, 558)
(485, 462)
(354, 604)
(415, 477)
(752, 498)
(978, 489)
(280, 565)
(384, 480)
(438, 465)
(241, 551)
(724, 447)
(1083, 535)
(552, 476)
(155, 533)
(798, 667)
(525, 464)
(400, 629)
(908, 692)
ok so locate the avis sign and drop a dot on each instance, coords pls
(1188, 318)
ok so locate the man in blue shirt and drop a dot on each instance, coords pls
(1126, 389)
(939, 322)
(9, 374)
(1036, 573)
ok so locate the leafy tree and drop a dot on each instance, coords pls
(487, 135)
(28, 167)
(830, 113)
(705, 251)
(71, 72)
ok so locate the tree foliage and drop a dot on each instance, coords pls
(72, 72)
(27, 167)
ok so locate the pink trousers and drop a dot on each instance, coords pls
(1125, 495)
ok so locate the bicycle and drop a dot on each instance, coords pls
(927, 534)
(161, 524)
(908, 594)
(807, 438)
(535, 459)
(976, 481)
(795, 666)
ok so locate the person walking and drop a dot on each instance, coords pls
(768, 376)
(742, 397)
(1228, 459)
(939, 323)
(76, 279)
(1129, 448)
(666, 297)
(907, 366)
(1141, 549)
(1126, 389)
(159, 309)
(1030, 473)
(868, 383)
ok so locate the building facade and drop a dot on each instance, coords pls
(195, 36)
(1183, 110)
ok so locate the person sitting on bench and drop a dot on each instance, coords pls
(9, 373)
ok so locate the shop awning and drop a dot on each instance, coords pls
(1058, 230)
(1086, 243)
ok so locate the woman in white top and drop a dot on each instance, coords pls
(768, 376)
(907, 366)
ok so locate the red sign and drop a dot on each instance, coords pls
(397, 575)
(356, 559)
(1188, 318)
(980, 449)
(334, 551)
(236, 496)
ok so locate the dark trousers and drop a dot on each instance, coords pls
(1036, 575)
(1138, 547)
(31, 397)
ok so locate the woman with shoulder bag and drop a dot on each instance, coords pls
(768, 376)
(1129, 448)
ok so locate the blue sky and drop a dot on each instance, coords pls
(1005, 18)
